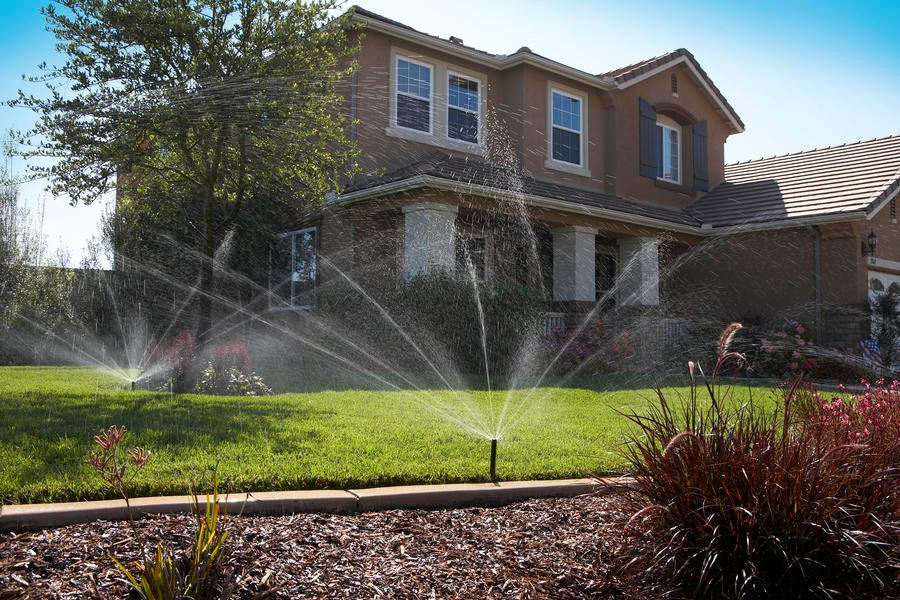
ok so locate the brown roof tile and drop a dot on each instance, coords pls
(815, 183)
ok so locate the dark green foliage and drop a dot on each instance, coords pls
(885, 311)
(745, 503)
(441, 313)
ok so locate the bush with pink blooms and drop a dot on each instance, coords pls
(788, 351)
(871, 417)
(591, 350)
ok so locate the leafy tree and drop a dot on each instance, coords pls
(885, 312)
(196, 109)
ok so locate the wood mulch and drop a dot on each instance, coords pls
(554, 548)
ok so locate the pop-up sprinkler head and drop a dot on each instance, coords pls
(133, 384)
(494, 460)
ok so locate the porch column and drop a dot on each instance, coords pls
(429, 243)
(574, 272)
(639, 278)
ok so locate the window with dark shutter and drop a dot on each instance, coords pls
(701, 157)
(648, 142)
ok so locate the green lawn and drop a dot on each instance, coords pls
(294, 441)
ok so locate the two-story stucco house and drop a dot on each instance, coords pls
(621, 174)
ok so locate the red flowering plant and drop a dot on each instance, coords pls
(115, 465)
(872, 416)
(788, 352)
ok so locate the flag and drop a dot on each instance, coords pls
(870, 353)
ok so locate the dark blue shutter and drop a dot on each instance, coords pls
(649, 146)
(701, 157)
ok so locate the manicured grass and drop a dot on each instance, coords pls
(293, 441)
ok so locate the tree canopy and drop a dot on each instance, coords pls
(201, 107)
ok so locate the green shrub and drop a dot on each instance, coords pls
(230, 382)
(440, 314)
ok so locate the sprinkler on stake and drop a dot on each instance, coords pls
(133, 383)
(494, 460)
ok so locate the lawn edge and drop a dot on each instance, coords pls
(349, 501)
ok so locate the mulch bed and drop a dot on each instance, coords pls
(556, 548)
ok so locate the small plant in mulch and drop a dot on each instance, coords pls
(751, 503)
(161, 574)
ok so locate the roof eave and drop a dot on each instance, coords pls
(430, 181)
(841, 217)
(494, 61)
(733, 119)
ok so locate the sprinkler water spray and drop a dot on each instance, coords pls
(494, 460)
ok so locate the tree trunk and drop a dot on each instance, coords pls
(207, 269)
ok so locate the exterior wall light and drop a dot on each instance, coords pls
(868, 244)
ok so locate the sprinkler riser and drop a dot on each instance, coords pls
(493, 460)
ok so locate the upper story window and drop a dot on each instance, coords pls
(566, 124)
(414, 87)
(668, 137)
(294, 268)
(463, 101)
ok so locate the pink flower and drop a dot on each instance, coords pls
(794, 366)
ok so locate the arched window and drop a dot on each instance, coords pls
(668, 134)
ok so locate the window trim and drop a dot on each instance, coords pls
(581, 120)
(291, 234)
(668, 123)
(559, 165)
(479, 113)
(488, 237)
(395, 86)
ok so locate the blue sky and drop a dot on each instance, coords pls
(801, 74)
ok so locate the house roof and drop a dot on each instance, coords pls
(479, 173)
(612, 80)
(839, 182)
(624, 75)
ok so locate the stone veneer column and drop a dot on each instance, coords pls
(429, 242)
(574, 270)
(639, 271)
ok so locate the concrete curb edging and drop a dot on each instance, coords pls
(352, 501)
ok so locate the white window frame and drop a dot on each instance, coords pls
(292, 234)
(397, 92)
(451, 73)
(580, 100)
(561, 165)
(667, 123)
(488, 238)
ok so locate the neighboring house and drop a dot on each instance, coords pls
(621, 174)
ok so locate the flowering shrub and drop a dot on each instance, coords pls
(788, 351)
(593, 349)
(747, 503)
(177, 358)
(230, 382)
(871, 417)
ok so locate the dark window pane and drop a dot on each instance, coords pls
(280, 273)
(566, 146)
(463, 93)
(475, 249)
(413, 113)
(462, 125)
(305, 267)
